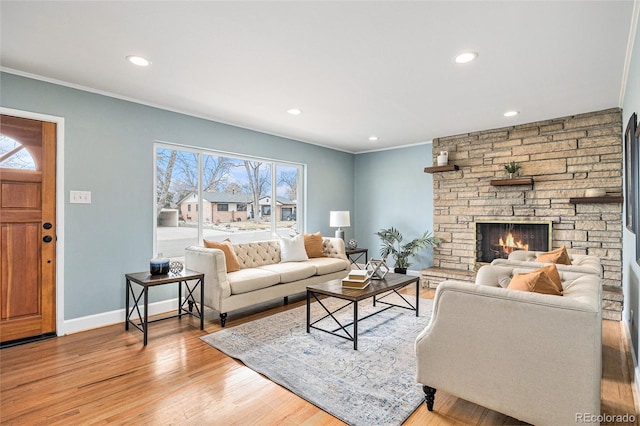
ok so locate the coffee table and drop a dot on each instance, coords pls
(377, 289)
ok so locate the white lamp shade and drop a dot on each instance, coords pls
(339, 219)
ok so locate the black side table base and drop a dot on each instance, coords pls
(186, 305)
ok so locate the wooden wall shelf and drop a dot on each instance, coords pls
(515, 181)
(611, 199)
(438, 169)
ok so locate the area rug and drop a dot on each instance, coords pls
(374, 385)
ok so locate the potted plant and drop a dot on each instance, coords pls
(392, 245)
(512, 168)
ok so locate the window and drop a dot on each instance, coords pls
(14, 155)
(246, 189)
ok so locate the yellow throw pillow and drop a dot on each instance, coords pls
(230, 257)
(536, 281)
(313, 245)
(559, 256)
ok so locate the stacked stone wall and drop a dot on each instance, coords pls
(564, 156)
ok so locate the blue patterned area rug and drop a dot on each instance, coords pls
(374, 385)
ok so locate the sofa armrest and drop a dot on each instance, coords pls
(535, 357)
(212, 263)
(494, 275)
(334, 247)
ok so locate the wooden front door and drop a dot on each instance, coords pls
(27, 228)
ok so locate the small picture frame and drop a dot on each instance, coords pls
(377, 269)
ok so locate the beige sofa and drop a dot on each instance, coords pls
(534, 357)
(262, 276)
(580, 263)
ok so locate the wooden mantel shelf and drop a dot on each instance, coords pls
(438, 169)
(514, 181)
(612, 199)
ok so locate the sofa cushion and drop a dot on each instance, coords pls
(313, 245)
(536, 281)
(559, 256)
(328, 265)
(291, 271)
(230, 257)
(250, 279)
(292, 249)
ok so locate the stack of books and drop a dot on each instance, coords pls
(358, 279)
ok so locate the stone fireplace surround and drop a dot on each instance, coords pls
(564, 157)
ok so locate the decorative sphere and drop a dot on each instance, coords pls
(176, 267)
(353, 244)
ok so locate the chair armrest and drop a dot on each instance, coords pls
(210, 262)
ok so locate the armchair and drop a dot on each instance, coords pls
(534, 357)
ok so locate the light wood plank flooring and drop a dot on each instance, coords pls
(106, 376)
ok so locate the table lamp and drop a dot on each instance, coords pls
(338, 219)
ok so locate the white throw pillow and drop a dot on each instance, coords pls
(292, 250)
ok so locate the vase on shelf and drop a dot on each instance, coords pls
(443, 158)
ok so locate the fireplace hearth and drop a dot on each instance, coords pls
(497, 239)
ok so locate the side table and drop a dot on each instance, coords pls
(146, 280)
(359, 252)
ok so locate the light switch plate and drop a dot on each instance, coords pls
(80, 197)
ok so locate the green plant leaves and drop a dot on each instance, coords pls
(392, 239)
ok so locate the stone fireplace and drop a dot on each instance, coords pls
(498, 239)
(560, 159)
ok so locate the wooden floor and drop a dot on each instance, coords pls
(107, 376)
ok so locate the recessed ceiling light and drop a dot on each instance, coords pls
(373, 138)
(138, 60)
(294, 111)
(511, 113)
(465, 57)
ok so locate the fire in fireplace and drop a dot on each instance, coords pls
(497, 239)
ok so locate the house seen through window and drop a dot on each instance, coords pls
(201, 194)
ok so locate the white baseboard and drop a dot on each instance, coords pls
(635, 385)
(89, 322)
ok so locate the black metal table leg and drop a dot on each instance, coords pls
(418, 298)
(308, 311)
(180, 299)
(145, 324)
(201, 283)
(126, 320)
(355, 326)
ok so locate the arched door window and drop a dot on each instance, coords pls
(14, 155)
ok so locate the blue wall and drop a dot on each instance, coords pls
(108, 150)
(391, 189)
(630, 269)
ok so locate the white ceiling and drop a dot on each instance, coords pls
(355, 68)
